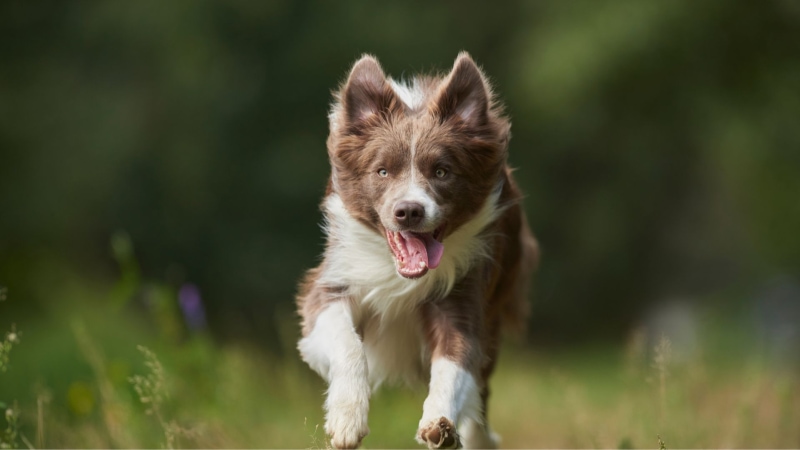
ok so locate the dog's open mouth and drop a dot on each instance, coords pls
(415, 253)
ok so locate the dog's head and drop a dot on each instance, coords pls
(416, 161)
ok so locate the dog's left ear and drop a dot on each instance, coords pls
(464, 94)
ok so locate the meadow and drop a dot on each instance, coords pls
(655, 141)
(98, 374)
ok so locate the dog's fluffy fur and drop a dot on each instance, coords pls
(428, 252)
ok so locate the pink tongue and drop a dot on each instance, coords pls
(423, 247)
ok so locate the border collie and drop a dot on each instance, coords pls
(428, 252)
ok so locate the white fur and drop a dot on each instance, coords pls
(411, 94)
(477, 435)
(453, 394)
(359, 257)
(337, 109)
(334, 350)
(396, 351)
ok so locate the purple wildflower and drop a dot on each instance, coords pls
(192, 306)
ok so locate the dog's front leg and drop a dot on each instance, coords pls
(334, 349)
(452, 329)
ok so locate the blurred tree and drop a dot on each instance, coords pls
(655, 140)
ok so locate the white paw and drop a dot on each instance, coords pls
(346, 426)
(438, 433)
(346, 421)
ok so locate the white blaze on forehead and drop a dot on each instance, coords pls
(414, 190)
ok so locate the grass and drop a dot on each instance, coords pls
(94, 376)
(9, 436)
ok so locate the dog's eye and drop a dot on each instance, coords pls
(383, 172)
(440, 173)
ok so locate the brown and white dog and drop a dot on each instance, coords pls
(428, 251)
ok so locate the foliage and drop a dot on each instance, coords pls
(655, 142)
(11, 339)
(152, 392)
(8, 438)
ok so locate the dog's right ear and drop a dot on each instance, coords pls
(366, 97)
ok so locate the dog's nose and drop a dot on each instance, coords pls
(409, 214)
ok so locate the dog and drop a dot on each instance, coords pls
(428, 252)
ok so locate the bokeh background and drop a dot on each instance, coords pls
(161, 166)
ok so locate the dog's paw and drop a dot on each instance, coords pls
(346, 421)
(346, 428)
(439, 433)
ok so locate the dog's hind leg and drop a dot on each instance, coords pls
(334, 349)
(478, 435)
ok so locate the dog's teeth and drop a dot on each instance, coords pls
(422, 264)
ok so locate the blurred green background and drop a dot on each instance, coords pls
(161, 166)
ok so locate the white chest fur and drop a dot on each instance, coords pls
(359, 258)
(383, 301)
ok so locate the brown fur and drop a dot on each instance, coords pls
(458, 127)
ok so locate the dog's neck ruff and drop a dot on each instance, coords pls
(359, 259)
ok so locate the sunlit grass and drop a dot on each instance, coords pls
(83, 381)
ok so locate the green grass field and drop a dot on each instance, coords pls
(78, 379)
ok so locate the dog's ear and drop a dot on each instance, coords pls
(367, 95)
(464, 94)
